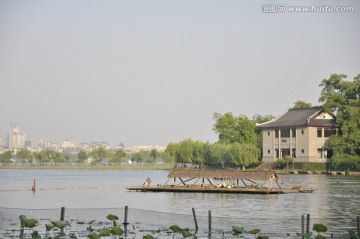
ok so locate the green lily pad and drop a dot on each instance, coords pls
(254, 231)
(176, 228)
(104, 232)
(320, 228)
(117, 231)
(112, 217)
(238, 230)
(148, 236)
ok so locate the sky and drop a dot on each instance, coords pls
(151, 72)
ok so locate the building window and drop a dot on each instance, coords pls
(319, 132)
(285, 153)
(329, 132)
(268, 151)
(302, 132)
(268, 133)
(277, 153)
(276, 133)
(293, 132)
(302, 151)
(293, 153)
(320, 153)
(285, 133)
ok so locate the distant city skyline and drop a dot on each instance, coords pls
(16, 139)
(155, 72)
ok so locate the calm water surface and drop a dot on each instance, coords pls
(337, 196)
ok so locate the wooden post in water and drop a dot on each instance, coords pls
(209, 213)
(307, 223)
(62, 214)
(302, 224)
(126, 220)
(33, 188)
(126, 216)
(358, 225)
(194, 215)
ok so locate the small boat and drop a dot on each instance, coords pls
(220, 181)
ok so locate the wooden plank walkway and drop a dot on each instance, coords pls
(182, 189)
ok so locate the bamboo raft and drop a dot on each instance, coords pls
(220, 181)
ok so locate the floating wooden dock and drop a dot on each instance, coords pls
(220, 181)
(220, 190)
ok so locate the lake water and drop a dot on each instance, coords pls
(335, 202)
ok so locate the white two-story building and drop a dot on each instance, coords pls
(300, 133)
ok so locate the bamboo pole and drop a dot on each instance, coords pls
(126, 220)
(307, 223)
(62, 214)
(209, 213)
(302, 225)
(194, 215)
(126, 216)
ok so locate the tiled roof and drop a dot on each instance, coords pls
(299, 117)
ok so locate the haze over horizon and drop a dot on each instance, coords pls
(155, 72)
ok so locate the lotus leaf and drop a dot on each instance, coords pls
(104, 232)
(254, 231)
(117, 231)
(320, 228)
(186, 233)
(112, 217)
(176, 228)
(148, 236)
(94, 236)
(238, 230)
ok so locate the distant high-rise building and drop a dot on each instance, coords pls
(16, 137)
(28, 143)
(68, 144)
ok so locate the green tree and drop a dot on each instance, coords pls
(24, 154)
(6, 157)
(118, 156)
(259, 119)
(233, 129)
(141, 156)
(170, 152)
(41, 157)
(342, 98)
(184, 155)
(217, 155)
(66, 157)
(301, 104)
(59, 160)
(154, 153)
(198, 154)
(99, 154)
(82, 156)
(51, 155)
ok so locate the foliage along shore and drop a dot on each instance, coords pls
(300, 168)
(89, 167)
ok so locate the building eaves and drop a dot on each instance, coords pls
(294, 118)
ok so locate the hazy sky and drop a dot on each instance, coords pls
(154, 72)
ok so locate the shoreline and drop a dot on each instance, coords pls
(86, 167)
(316, 172)
(156, 167)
